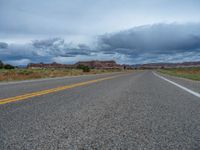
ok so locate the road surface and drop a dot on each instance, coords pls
(136, 110)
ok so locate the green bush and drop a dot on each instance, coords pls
(84, 68)
(8, 66)
(1, 65)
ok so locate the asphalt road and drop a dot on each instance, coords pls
(135, 110)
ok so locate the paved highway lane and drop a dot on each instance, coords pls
(131, 111)
(29, 86)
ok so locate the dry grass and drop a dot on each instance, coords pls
(190, 73)
(25, 74)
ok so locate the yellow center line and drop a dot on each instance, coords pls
(43, 92)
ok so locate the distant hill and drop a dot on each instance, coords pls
(95, 64)
(170, 65)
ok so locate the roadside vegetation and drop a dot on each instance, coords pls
(84, 68)
(6, 66)
(24, 74)
(11, 73)
(192, 73)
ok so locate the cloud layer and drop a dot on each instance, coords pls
(40, 51)
(74, 18)
(153, 42)
(143, 44)
(3, 45)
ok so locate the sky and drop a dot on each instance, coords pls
(127, 31)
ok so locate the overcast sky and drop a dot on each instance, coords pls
(128, 31)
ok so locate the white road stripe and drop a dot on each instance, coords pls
(178, 85)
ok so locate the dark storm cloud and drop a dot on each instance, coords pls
(17, 52)
(41, 51)
(58, 47)
(3, 45)
(158, 38)
(155, 42)
(80, 21)
(143, 44)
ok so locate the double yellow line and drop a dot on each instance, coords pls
(39, 93)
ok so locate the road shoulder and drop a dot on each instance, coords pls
(191, 84)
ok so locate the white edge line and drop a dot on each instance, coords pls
(178, 85)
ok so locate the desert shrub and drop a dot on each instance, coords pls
(84, 68)
(25, 72)
(8, 66)
(1, 65)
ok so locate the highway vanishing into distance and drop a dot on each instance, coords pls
(134, 110)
